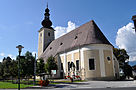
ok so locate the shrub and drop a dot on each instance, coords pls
(78, 77)
(65, 77)
(44, 82)
(68, 76)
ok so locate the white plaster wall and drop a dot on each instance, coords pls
(99, 47)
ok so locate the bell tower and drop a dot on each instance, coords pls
(46, 33)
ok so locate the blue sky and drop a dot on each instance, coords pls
(20, 20)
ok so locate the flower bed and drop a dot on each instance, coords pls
(68, 77)
(44, 82)
(65, 77)
(78, 78)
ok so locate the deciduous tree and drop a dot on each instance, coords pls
(40, 66)
(51, 64)
(122, 58)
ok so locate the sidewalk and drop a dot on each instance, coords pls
(93, 85)
(89, 84)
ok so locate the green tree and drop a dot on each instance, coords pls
(6, 67)
(29, 63)
(26, 65)
(13, 69)
(122, 58)
(1, 70)
(23, 66)
(127, 70)
(51, 64)
(40, 66)
(134, 67)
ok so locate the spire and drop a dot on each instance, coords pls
(46, 22)
(47, 4)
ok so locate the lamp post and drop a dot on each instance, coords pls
(19, 50)
(35, 69)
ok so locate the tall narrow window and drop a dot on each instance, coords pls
(77, 64)
(91, 64)
(40, 37)
(68, 66)
(49, 34)
(40, 34)
(61, 66)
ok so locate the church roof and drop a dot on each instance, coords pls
(86, 34)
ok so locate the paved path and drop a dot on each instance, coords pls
(130, 88)
(87, 85)
(94, 84)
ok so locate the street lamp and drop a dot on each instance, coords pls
(19, 50)
(35, 69)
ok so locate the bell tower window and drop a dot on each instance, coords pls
(40, 34)
(49, 34)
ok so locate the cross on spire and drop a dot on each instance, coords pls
(47, 4)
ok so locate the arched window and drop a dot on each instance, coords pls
(49, 34)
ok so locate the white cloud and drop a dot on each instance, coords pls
(12, 56)
(33, 53)
(2, 54)
(126, 39)
(1, 60)
(63, 30)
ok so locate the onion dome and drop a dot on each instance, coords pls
(47, 22)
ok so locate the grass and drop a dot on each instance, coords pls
(30, 82)
(7, 85)
(66, 81)
(79, 80)
(54, 83)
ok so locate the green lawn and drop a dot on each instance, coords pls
(66, 81)
(6, 85)
(9, 85)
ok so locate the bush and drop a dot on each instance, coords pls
(68, 76)
(65, 77)
(44, 82)
(78, 77)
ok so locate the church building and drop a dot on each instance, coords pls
(84, 51)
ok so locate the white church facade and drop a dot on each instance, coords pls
(84, 51)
